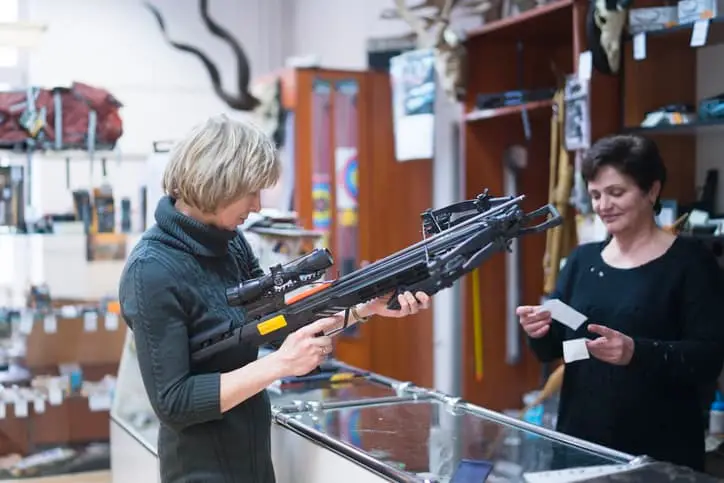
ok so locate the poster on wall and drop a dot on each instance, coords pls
(346, 198)
(412, 75)
(322, 163)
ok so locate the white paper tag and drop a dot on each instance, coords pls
(3, 411)
(55, 396)
(111, 321)
(639, 46)
(21, 408)
(100, 401)
(565, 314)
(585, 65)
(50, 324)
(90, 321)
(26, 323)
(39, 405)
(699, 33)
(575, 350)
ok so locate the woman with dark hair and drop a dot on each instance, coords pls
(654, 329)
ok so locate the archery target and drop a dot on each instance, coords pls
(321, 198)
(347, 178)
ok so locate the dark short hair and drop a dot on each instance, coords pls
(631, 155)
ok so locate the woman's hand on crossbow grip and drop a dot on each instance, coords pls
(409, 304)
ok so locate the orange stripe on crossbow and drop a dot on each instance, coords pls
(307, 293)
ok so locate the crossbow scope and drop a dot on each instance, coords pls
(456, 239)
(282, 278)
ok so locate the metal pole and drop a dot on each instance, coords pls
(447, 189)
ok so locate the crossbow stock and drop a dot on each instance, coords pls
(456, 240)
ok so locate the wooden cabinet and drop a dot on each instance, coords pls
(348, 184)
(532, 50)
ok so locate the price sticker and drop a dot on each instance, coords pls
(50, 324)
(639, 46)
(90, 321)
(39, 405)
(699, 33)
(21, 408)
(111, 321)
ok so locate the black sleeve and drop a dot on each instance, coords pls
(150, 301)
(697, 357)
(550, 347)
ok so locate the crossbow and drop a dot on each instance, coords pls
(456, 240)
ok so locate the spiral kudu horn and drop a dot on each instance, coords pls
(243, 100)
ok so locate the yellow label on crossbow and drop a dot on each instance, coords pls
(269, 326)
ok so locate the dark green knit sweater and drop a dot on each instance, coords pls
(172, 288)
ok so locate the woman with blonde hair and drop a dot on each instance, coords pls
(215, 416)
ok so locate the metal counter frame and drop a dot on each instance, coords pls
(403, 391)
(407, 392)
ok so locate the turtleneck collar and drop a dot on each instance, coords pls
(189, 234)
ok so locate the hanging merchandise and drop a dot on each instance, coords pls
(515, 159)
(12, 198)
(577, 114)
(561, 239)
(412, 76)
(78, 117)
(605, 21)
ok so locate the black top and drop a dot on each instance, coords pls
(670, 308)
(173, 287)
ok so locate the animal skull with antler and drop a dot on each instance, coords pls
(434, 31)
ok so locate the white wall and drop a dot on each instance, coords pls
(117, 45)
(341, 42)
(710, 143)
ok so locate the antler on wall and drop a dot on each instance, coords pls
(433, 31)
(242, 100)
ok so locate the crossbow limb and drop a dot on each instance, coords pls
(457, 239)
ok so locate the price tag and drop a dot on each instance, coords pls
(100, 401)
(111, 321)
(585, 65)
(26, 323)
(21, 408)
(39, 405)
(50, 324)
(55, 396)
(90, 321)
(3, 411)
(699, 33)
(639, 46)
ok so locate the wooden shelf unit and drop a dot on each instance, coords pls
(550, 34)
(668, 75)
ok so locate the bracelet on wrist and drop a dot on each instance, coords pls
(357, 316)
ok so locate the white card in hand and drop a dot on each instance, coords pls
(565, 314)
(575, 350)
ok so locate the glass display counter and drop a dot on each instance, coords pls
(134, 426)
(345, 424)
(427, 438)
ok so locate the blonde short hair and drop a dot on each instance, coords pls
(220, 161)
